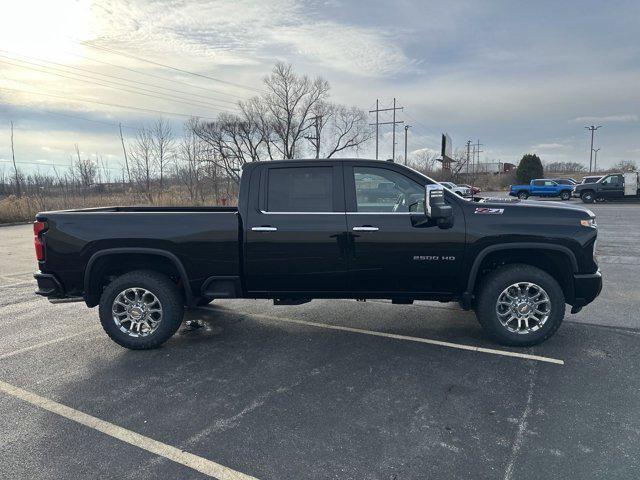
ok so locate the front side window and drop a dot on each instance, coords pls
(612, 180)
(549, 183)
(381, 190)
(300, 189)
(538, 183)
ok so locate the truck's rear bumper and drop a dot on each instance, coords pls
(586, 288)
(48, 285)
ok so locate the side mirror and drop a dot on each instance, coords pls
(435, 206)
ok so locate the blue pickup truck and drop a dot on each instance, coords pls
(542, 188)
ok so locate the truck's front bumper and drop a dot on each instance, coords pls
(48, 285)
(586, 288)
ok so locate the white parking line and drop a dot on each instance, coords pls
(48, 342)
(169, 452)
(396, 336)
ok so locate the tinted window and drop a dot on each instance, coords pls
(538, 183)
(382, 190)
(612, 180)
(301, 189)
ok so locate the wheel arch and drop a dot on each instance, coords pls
(522, 253)
(149, 258)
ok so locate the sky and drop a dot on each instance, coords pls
(520, 77)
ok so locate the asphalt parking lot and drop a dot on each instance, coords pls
(326, 390)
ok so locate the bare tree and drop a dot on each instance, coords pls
(141, 152)
(625, 166)
(15, 166)
(189, 166)
(124, 150)
(85, 170)
(424, 160)
(163, 145)
(290, 99)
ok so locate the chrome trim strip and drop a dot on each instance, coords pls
(340, 213)
(365, 229)
(264, 229)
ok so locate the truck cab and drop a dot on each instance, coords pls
(543, 187)
(614, 186)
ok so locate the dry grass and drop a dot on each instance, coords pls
(24, 208)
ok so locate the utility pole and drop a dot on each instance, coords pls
(595, 159)
(315, 141)
(406, 129)
(15, 167)
(394, 122)
(468, 158)
(592, 129)
(126, 160)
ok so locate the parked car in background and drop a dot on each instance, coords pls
(610, 187)
(565, 181)
(463, 191)
(591, 179)
(474, 190)
(543, 187)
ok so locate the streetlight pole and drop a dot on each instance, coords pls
(406, 129)
(595, 159)
(592, 129)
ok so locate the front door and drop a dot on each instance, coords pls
(393, 251)
(296, 234)
(612, 187)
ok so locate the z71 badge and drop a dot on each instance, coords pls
(489, 211)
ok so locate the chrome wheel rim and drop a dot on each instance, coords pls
(137, 312)
(523, 307)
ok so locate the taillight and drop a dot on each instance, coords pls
(38, 228)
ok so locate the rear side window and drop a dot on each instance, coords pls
(300, 189)
(538, 183)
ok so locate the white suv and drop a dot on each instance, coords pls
(462, 191)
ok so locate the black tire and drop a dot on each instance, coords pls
(587, 197)
(565, 195)
(492, 287)
(166, 293)
(523, 195)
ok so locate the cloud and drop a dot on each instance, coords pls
(548, 146)
(608, 118)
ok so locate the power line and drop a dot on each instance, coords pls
(160, 95)
(126, 107)
(116, 52)
(233, 102)
(160, 77)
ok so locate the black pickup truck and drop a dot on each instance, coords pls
(307, 229)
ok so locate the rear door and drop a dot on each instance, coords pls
(391, 255)
(296, 234)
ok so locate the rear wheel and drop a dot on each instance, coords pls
(520, 305)
(141, 310)
(565, 195)
(523, 195)
(587, 197)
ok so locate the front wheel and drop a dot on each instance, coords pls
(523, 195)
(566, 195)
(587, 197)
(520, 305)
(141, 310)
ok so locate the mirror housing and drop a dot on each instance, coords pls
(435, 206)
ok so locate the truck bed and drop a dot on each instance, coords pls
(205, 240)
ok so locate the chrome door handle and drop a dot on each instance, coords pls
(264, 229)
(365, 229)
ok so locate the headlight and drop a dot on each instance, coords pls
(590, 222)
